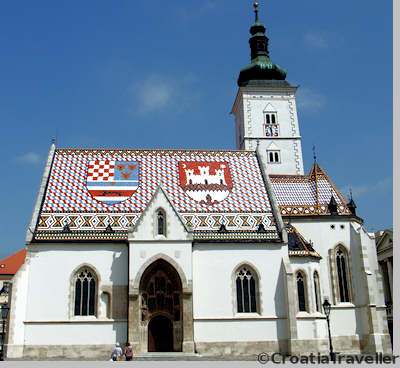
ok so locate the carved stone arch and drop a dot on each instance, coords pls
(257, 280)
(72, 288)
(186, 287)
(88, 265)
(306, 283)
(142, 314)
(341, 245)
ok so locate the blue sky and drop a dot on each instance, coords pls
(163, 74)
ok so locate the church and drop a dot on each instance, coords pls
(218, 253)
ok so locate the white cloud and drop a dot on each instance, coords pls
(315, 40)
(203, 7)
(157, 93)
(30, 158)
(378, 187)
(309, 100)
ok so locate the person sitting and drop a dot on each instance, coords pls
(116, 353)
(128, 351)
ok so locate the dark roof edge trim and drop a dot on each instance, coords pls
(41, 194)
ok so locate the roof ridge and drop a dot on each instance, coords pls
(152, 149)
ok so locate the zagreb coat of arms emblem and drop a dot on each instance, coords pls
(205, 182)
(111, 181)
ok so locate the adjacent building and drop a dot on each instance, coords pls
(384, 248)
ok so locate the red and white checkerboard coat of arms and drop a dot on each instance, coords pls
(205, 182)
(111, 181)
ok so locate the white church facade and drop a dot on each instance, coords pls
(217, 253)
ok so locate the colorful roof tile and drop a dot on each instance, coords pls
(89, 189)
(11, 264)
(305, 195)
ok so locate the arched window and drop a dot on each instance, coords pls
(246, 290)
(85, 292)
(301, 291)
(161, 223)
(342, 274)
(317, 292)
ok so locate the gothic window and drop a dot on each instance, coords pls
(161, 223)
(85, 292)
(342, 275)
(246, 290)
(317, 292)
(274, 157)
(301, 291)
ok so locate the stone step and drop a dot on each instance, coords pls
(167, 356)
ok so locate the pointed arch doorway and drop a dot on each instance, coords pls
(160, 298)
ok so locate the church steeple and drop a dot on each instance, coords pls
(265, 108)
(261, 66)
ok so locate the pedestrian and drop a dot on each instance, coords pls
(128, 352)
(116, 353)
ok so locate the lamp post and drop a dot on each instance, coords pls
(327, 310)
(4, 314)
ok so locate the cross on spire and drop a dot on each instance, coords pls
(255, 6)
(314, 154)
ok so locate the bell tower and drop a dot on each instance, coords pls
(265, 108)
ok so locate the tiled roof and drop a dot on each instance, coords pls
(11, 264)
(239, 200)
(304, 195)
(297, 245)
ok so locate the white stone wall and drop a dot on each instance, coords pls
(214, 298)
(43, 308)
(347, 319)
(95, 333)
(53, 265)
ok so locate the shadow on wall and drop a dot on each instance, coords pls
(118, 296)
(281, 310)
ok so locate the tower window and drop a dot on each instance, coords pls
(274, 157)
(271, 124)
(271, 118)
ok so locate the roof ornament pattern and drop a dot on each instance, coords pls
(352, 205)
(207, 188)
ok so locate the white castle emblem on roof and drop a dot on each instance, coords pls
(205, 182)
(205, 177)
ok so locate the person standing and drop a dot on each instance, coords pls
(128, 351)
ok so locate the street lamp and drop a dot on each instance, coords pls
(4, 314)
(327, 310)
